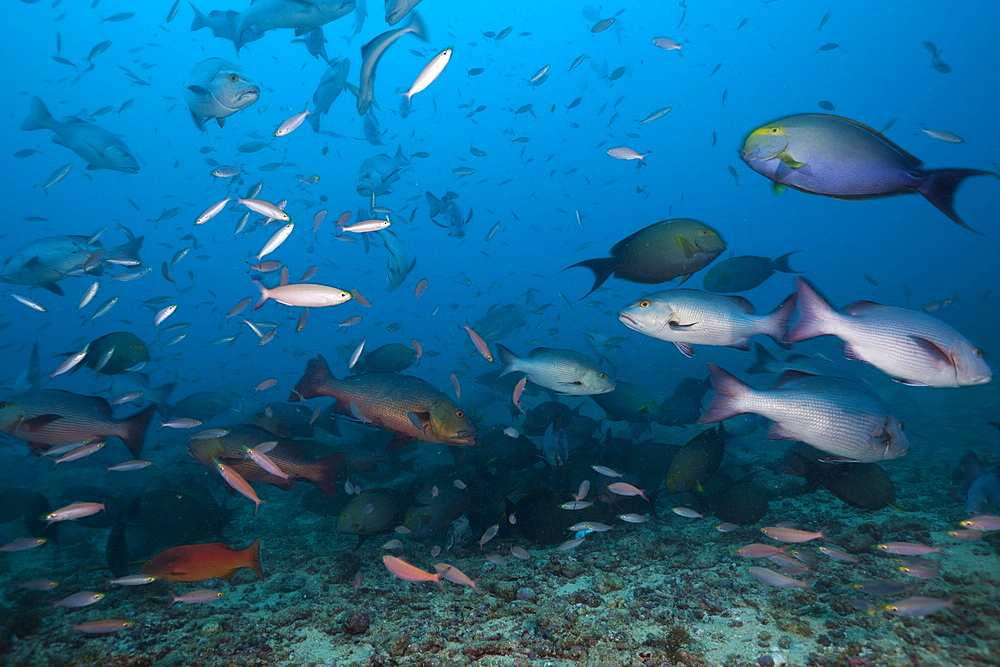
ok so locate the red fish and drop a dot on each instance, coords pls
(195, 562)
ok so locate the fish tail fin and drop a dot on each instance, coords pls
(199, 21)
(939, 186)
(814, 314)
(417, 26)
(134, 433)
(776, 323)
(602, 267)
(729, 394)
(39, 117)
(264, 296)
(780, 264)
(313, 120)
(127, 251)
(253, 558)
(325, 474)
(508, 359)
(314, 381)
(764, 361)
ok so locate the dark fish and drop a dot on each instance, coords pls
(116, 353)
(738, 274)
(659, 253)
(407, 407)
(628, 402)
(390, 358)
(697, 461)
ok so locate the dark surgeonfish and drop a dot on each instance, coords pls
(659, 253)
(837, 416)
(697, 461)
(739, 274)
(217, 88)
(100, 148)
(862, 485)
(116, 353)
(45, 262)
(406, 406)
(50, 417)
(332, 83)
(841, 158)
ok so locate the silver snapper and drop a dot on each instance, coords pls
(834, 415)
(562, 371)
(377, 174)
(46, 261)
(217, 89)
(687, 317)
(300, 15)
(400, 263)
(910, 346)
(100, 148)
(373, 51)
(222, 24)
(330, 86)
(396, 10)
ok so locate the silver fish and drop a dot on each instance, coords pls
(400, 263)
(330, 86)
(217, 89)
(46, 261)
(396, 10)
(834, 415)
(562, 371)
(377, 174)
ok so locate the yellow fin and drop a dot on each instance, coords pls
(789, 162)
(779, 188)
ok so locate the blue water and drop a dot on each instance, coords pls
(731, 79)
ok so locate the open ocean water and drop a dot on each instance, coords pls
(650, 333)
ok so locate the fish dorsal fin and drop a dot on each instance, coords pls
(744, 304)
(911, 158)
(861, 307)
(790, 376)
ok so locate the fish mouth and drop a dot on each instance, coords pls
(628, 321)
(253, 92)
(464, 438)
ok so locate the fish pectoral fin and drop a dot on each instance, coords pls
(684, 348)
(420, 420)
(686, 247)
(933, 349)
(677, 326)
(221, 122)
(850, 353)
(836, 459)
(910, 383)
(198, 90)
(37, 423)
(52, 287)
(789, 161)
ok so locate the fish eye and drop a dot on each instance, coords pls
(774, 130)
(644, 304)
(603, 376)
(234, 78)
(459, 414)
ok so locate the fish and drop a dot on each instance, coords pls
(330, 85)
(288, 455)
(562, 371)
(396, 10)
(776, 579)
(739, 274)
(399, 265)
(389, 358)
(661, 252)
(844, 159)
(48, 417)
(217, 88)
(303, 16)
(687, 317)
(403, 570)
(406, 406)
(116, 353)
(628, 402)
(910, 346)
(626, 153)
(291, 124)
(98, 147)
(918, 605)
(373, 51)
(697, 461)
(377, 174)
(103, 626)
(305, 295)
(197, 562)
(667, 44)
(834, 415)
(428, 74)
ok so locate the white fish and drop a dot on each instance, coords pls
(30, 303)
(71, 362)
(276, 240)
(265, 208)
(306, 295)
(943, 135)
(212, 211)
(667, 44)
(356, 354)
(656, 115)
(367, 226)
(291, 124)
(625, 153)
(89, 294)
(164, 314)
(431, 72)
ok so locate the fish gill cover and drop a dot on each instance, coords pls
(308, 304)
